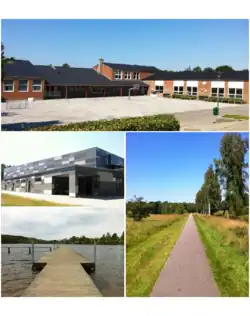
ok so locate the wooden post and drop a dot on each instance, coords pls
(95, 252)
(66, 92)
(86, 92)
(121, 92)
(50, 249)
(105, 92)
(33, 252)
(29, 250)
(8, 250)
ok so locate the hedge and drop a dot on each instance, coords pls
(209, 99)
(143, 123)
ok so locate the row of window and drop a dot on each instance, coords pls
(127, 75)
(215, 92)
(23, 85)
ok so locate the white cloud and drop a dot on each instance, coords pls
(59, 223)
(23, 147)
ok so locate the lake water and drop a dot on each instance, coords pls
(17, 272)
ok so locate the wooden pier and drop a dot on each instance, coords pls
(64, 273)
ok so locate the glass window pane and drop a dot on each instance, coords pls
(231, 91)
(239, 91)
(175, 88)
(194, 89)
(180, 88)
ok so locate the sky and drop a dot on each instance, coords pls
(23, 147)
(58, 223)
(169, 166)
(167, 44)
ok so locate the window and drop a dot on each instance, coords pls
(23, 85)
(38, 179)
(118, 75)
(136, 76)
(192, 90)
(235, 93)
(8, 85)
(37, 85)
(178, 90)
(159, 89)
(217, 92)
(127, 75)
(97, 90)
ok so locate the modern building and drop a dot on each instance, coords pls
(229, 84)
(92, 172)
(23, 80)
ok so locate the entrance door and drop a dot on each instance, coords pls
(85, 186)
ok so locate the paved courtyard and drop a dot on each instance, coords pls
(64, 199)
(191, 113)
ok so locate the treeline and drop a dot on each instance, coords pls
(223, 68)
(225, 185)
(106, 239)
(138, 208)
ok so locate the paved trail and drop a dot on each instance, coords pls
(187, 272)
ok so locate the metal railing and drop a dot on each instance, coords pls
(32, 249)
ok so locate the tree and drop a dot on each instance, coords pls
(208, 69)
(188, 68)
(197, 69)
(231, 169)
(66, 65)
(3, 61)
(139, 209)
(224, 68)
(212, 189)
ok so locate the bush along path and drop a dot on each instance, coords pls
(187, 271)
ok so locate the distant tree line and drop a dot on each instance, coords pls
(138, 208)
(225, 185)
(106, 239)
(223, 68)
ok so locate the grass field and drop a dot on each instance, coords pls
(226, 245)
(149, 243)
(14, 200)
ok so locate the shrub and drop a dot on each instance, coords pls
(244, 217)
(219, 213)
(240, 231)
(143, 123)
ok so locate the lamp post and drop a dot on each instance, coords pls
(218, 76)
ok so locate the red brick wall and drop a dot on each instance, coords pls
(16, 95)
(246, 92)
(105, 71)
(169, 86)
(204, 89)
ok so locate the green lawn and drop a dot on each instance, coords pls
(226, 245)
(236, 116)
(149, 243)
(14, 200)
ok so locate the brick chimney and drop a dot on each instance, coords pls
(101, 60)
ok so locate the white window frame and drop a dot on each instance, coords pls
(37, 85)
(118, 74)
(4, 85)
(235, 95)
(217, 93)
(136, 75)
(192, 91)
(159, 88)
(127, 75)
(178, 92)
(27, 89)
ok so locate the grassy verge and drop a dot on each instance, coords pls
(149, 243)
(14, 200)
(226, 245)
(236, 117)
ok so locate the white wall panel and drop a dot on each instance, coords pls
(47, 191)
(218, 84)
(159, 82)
(48, 180)
(236, 84)
(179, 83)
(192, 83)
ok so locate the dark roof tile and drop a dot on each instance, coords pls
(21, 69)
(127, 67)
